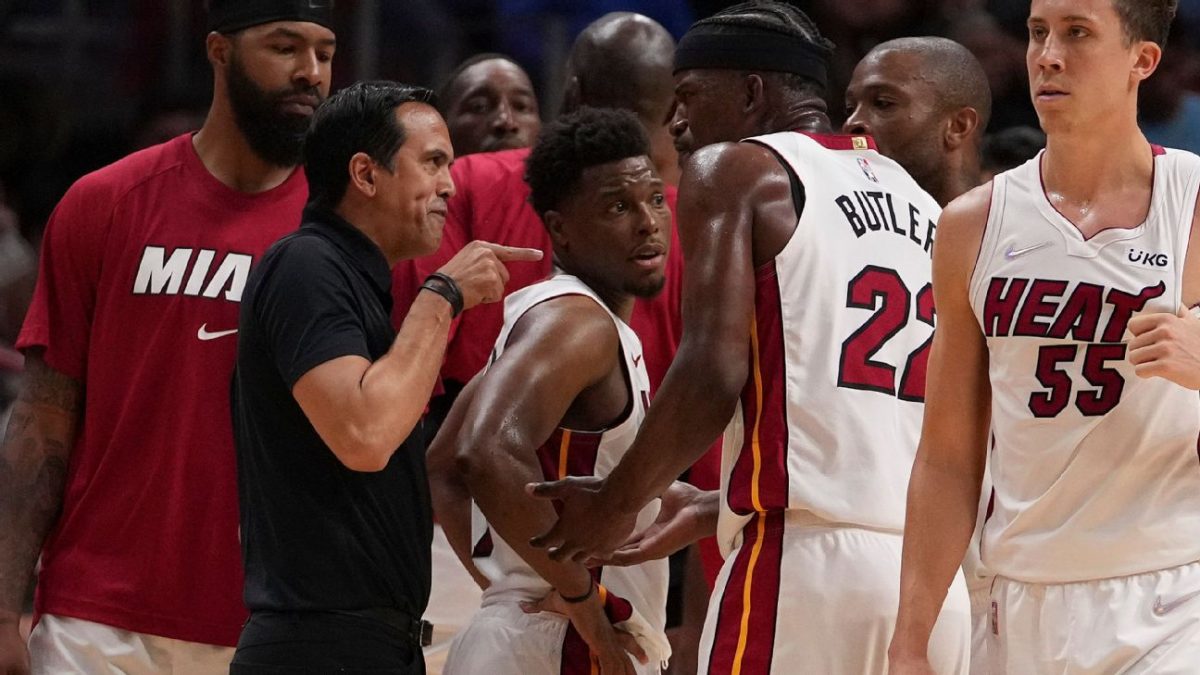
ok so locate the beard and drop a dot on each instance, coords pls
(275, 136)
(648, 287)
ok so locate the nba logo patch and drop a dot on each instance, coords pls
(995, 618)
(866, 169)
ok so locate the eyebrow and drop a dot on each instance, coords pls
(294, 35)
(1073, 18)
(481, 89)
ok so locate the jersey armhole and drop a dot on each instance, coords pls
(1191, 209)
(628, 376)
(798, 194)
(990, 238)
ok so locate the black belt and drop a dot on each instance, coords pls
(418, 631)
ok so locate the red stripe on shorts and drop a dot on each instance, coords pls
(744, 639)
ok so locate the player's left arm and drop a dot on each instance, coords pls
(556, 351)
(1167, 345)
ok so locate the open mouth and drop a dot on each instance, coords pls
(649, 256)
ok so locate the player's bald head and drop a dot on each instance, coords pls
(951, 69)
(622, 60)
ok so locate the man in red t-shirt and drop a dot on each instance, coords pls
(620, 61)
(489, 105)
(118, 466)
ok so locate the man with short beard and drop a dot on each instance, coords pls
(118, 464)
(489, 105)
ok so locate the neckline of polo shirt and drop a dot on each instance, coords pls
(358, 246)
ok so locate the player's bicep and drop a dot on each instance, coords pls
(552, 356)
(716, 220)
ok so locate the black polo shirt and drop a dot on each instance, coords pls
(315, 534)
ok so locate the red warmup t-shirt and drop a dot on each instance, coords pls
(142, 268)
(492, 204)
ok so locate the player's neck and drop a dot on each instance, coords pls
(618, 302)
(227, 155)
(956, 181)
(1084, 164)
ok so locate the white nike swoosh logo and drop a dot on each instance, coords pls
(1161, 608)
(1018, 252)
(203, 333)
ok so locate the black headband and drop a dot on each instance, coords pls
(229, 16)
(750, 49)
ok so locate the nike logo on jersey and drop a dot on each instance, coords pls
(204, 335)
(1162, 608)
(1018, 252)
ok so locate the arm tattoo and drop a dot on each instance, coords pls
(33, 472)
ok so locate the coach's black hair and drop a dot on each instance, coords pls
(359, 118)
(566, 147)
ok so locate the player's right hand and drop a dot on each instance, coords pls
(687, 514)
(611, 647)
(480, 272)
(589, 525)
(14, 655)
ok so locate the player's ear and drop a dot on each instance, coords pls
(753, 90)
(218, 47)
(961, 126)
(1147, 57)
(554, 225)
(362, 174)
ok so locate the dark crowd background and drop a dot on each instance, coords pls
(84, 82)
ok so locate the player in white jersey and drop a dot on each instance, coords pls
(563, 395)
(932, 126)
(808, 317)
(1060, 334)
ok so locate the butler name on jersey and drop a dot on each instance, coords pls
(879, 211)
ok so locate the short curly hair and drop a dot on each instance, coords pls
(566, 147)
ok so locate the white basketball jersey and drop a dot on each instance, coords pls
(1095, 470)
(831, 412)
(577, 453)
